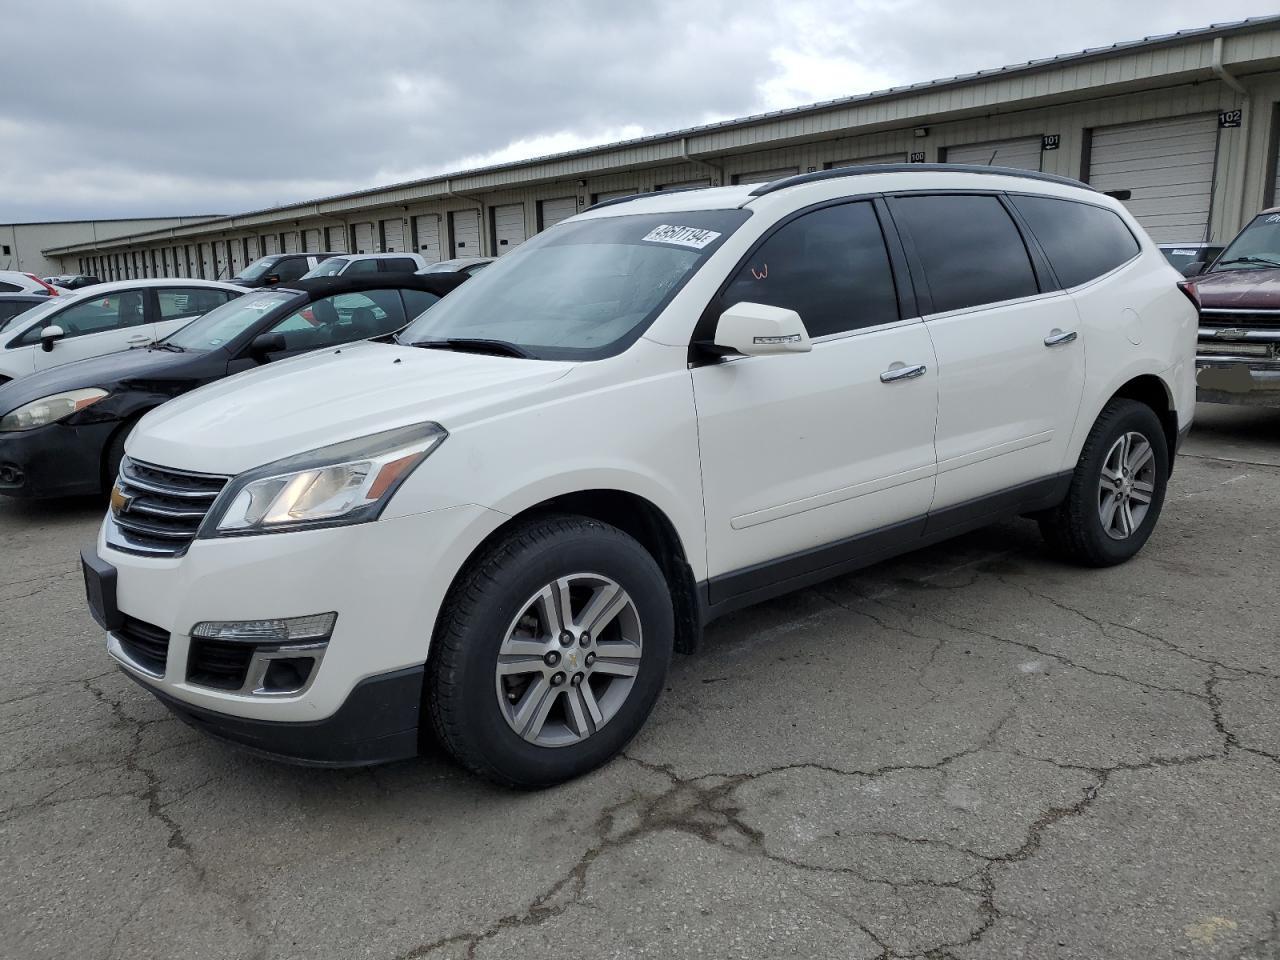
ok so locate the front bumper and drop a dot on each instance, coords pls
(54, 461)
(377, 723)
(1239, 366)
(385, 580)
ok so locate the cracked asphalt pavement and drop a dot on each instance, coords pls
(970, 752)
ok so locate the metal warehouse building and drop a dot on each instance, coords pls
(1184, 128)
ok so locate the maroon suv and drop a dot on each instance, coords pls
(1238, 356)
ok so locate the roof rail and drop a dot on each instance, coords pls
(639, 196)
(869, 168)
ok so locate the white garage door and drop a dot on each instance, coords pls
(393, 236)
(237, 257)
(427, 228)
(615, 194)
(686, 185)
(551, 212)
(311, 240)
(292, 242)
(336, 240)
(863, 161)
(364, 238)
(464, 227)
(508, 227)
(270, 244)
(764, 176)
(255, 249)
(1162, 170)
(1021, 154)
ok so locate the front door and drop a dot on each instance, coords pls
(805, 454)
(98, 325)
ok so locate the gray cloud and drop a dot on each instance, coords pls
(139, 106)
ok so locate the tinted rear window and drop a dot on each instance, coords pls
(1081, 241)
(971, 251)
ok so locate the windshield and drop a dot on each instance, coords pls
(222, 325)
(580, 291)
(328, 268)
(38, 310)
(257, 269)
(1179, 257)
(1255, 248)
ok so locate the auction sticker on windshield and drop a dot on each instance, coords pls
(694, 237)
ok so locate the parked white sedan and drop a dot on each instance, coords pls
(104, 318)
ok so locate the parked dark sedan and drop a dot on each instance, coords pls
(62, 431)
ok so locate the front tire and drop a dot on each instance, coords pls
(1117, 489)
(550, 652)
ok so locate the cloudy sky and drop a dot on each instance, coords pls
(155, 107)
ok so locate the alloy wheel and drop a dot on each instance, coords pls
(1127, 485)
(569, 660)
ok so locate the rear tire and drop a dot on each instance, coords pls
(1117, 489)
(516, 690)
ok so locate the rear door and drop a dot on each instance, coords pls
(805, 454)
(1010, 354)
(98, 325)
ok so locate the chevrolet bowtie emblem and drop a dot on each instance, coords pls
(1231, 333)
(119, 501)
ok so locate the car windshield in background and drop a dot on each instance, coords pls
(1257, 247)
(36, 310)
(329, 268)
(579, 291)
(257, 269)
(1180, 257)
(220, 326)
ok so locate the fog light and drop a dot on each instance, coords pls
(318, 626)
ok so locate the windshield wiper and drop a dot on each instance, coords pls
(1265, 261)
(500, 348)
(162, 345)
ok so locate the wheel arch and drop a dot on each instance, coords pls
(1152, 391)
(639, 518)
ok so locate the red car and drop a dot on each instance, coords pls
(1238, 355)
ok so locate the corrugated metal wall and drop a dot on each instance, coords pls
(1244, 159)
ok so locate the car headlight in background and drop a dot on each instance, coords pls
(47, 410)
(348, 482)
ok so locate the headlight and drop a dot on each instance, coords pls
(47, 410)
(344, 483)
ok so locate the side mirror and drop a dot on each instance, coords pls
(272, 280)
(265, 344)
(1194, 269)
(51, 335)
(755, 329)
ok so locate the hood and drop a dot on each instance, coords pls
(318, 399)
(102, 372)
(1248, 289)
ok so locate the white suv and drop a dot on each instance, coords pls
(500, 526)
(346, 264)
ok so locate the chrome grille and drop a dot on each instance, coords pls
(156, 511)
(1243, 319)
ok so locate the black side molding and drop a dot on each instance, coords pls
(742, 588)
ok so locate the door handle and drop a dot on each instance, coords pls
(1058, 337)
(894, 374)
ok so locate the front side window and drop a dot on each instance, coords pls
(583, 291)
(220, 326)
(363, 266)
(398, 265)
(1081, 241)
(830, 266)
(343, 318)
(114, 311)
(177, 303)
(291, 268)
(969, 247)
(1257, 246)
